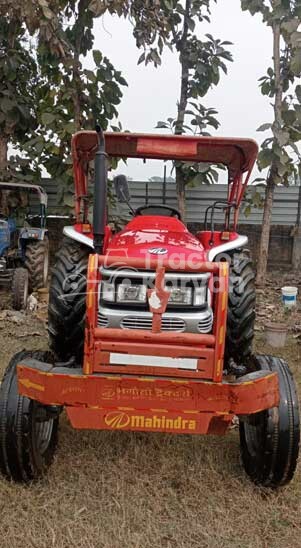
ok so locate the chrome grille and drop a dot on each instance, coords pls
(205, 325)
(198, 322)
(142, 322)
(102, 320)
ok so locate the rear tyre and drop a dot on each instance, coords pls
(270, 439)
(241, 308)
(20, 287)
(37, 263)
(28, 434)
(67, 301)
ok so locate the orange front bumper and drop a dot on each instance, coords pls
(127, 402)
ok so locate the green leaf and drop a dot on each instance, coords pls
(6, 104)
(70, 127)
(141, 58)
(122, 81)
(161, 125)
(191, 24)
(90, 75)
(290, 26)
(265, 158)
(47, 118)
(247, 211)
(97, 56)
(289, 117)
(283, 138)
(298, 93)
(156, 57)
(264, 127)
(296, 63)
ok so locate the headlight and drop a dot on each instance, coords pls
(108, 291)
(131, 293)
(180, 296)
(200, 294)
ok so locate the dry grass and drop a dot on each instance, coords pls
(132, 490)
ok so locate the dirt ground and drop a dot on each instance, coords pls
(134, 490)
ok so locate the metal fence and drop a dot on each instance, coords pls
(285, 208)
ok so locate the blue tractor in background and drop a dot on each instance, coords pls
(24, 251)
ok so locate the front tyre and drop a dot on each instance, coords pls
(241, 308)
(28, 434)
(67, 301)
(270, 439)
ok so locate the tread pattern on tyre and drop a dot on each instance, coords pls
(241, 308)
(67, 301)
(19, 458)
(275, 465)
(35, 255)
(19, 288)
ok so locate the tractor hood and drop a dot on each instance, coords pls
(150, 236)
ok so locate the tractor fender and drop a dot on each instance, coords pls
(238, 243)
(73, 234)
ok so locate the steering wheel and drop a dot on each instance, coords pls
(162, 210)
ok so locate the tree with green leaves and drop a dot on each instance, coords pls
(279, 152)
(18, 83)
(72, 97)
(202, 62)
(46, 94)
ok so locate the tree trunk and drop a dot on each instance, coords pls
(180, 186)
(76, 94)
(182, 105)
(3, 174)
(79, 31)
(273, 173)
(265, 233)
(3, 155)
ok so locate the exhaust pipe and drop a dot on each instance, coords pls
(100, 193)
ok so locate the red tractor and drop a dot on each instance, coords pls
(151, 329)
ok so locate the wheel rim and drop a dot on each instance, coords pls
(43, 432)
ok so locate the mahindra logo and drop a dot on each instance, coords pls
(117, 420)
(158, 250)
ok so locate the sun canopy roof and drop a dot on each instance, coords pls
(238, 155)
(25, 187)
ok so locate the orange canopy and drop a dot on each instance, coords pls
(238, 155)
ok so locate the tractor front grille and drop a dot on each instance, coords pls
(140, 322)
(197, 322)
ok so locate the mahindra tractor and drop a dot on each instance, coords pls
(151, 328)
(24, 252)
